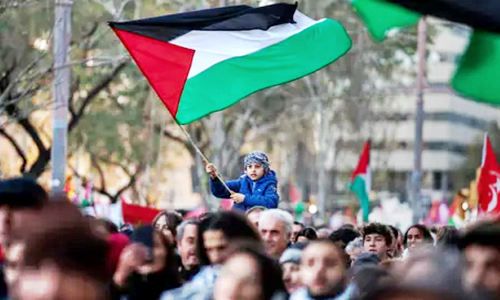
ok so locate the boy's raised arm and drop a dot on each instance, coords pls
(218, 189)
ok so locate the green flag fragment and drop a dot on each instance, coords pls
(477, 73)
(380, 16)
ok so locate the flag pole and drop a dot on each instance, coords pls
(203, 157)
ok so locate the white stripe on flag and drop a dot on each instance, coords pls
(213, 47)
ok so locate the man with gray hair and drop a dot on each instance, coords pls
(186, 246)
(275, 227)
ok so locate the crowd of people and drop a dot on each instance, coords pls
(50, 250)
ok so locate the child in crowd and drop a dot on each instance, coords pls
(256, 187)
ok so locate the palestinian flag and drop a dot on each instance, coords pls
(205, 61)
(361, 181)
(380, 16)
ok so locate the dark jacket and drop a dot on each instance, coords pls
(145, 287)
(262, 192)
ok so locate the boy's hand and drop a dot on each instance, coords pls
(210, 169)
(237, 197)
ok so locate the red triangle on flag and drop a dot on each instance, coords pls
(488, 185)
(364, 162)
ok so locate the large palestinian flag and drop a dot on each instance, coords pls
(205, 61)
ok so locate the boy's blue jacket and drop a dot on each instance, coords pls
(262, 192)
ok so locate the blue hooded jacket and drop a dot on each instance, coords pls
(262, 192)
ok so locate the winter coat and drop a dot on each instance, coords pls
(262, 192)
(303, 294)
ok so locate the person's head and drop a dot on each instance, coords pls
(397, 247)
(417, 235)
(20, 199)
(166, 222)
(296, 228)
(186, 242)
(323, 268)
(481, 249)
(63, 257)
(448, 236)
(354, 248)
(377, 238)
(248, 274)
(160, 251)
(343, 236)
(275, 227)
(253, 215)
(13, 262)
(217, 231)
(306, 234)
(290, 264)
(256, 165)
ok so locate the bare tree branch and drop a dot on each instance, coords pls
(16, 146)
(103, 83)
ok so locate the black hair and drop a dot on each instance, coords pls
(378, 228)
(424, 230)
(486, 234)
(270, 273)
(308, 232)
(343, 236)
(173, 219)
(395, 231)
(22, 192)
(298, 223)
(233, 225)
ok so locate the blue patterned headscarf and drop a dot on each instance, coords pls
(257, 157)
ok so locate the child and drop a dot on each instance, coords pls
(256, 187)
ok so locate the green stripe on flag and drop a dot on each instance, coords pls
(226, 83)
(380, 16)
(477, 74)
(358, 186)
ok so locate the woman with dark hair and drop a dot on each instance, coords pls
(305, 235)
(417, 235)
(166, 222)
(249, 274)
(216, 233)
(147, 267)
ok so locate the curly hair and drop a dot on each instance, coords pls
(378, 228)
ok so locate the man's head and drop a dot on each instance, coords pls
(253, 215)
(377, 238)
(275, 227)
(186, 242)
(63, 257)
(323, 269)
(481, 249)
(256, 165)
(20, 198)
(296, 228)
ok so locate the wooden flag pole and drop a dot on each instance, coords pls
(203, 157)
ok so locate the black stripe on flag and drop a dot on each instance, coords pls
(478, 14)
(231, 18)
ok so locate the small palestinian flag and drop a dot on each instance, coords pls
(205, 61)
(361, 181)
